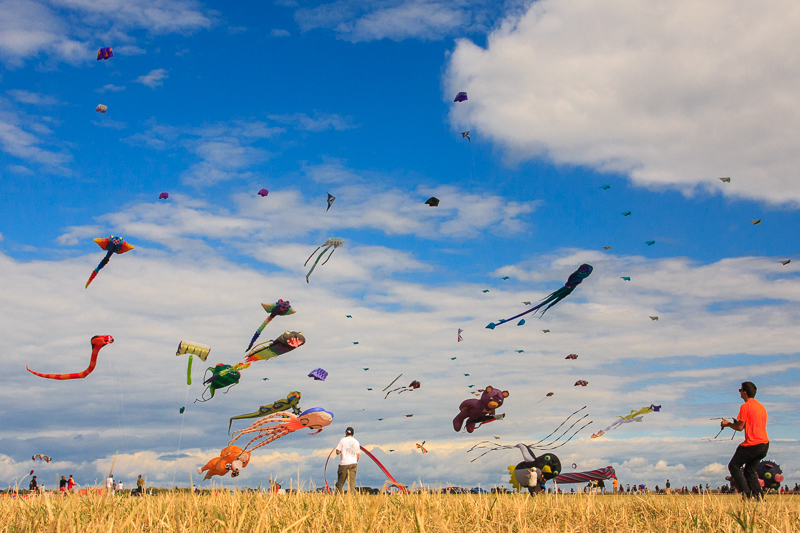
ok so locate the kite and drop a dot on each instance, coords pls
(574, 465)
(786, 262)
(573, 281)
(572, 356)
(163, 196)
(98, 341)
(231, 459)
(452, 359)
(355, 342)
(112, 245)
(626, 278)
(348, 316)
(422, 447)
(460, 331)
(182, 409)
(545, 331)
(505, 277)
(635, 416)
(485, 291)
(770, 474)
(222, 376)
(466, 134)
(366, 369)
(432, 201)
(284, 404)
(409, 416)
(467, 375)
(279, 308)
(101, 109)
(521, 322)
(605, 187)
(274, 426)
(395, 379)
(626, 214)
(581, 383)
(480, 411)
(333, 242)
(411, 386)
(654, 318)
(534, 471)
(520, 351)
(285, 343)
(331, 199)
(526, 303)
(591, 475)
(606, 247)
(105, 53)
(461, 97)
(756, 222)
(649, 243)
(192, 348)
(318, 374)
(546, 396)
(725, 180)
(263, 193)
(47, 458)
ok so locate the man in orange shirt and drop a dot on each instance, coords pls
(753, 420)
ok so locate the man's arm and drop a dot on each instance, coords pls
(737, 425)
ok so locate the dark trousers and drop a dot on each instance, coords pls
(749, 457)
(347, 473)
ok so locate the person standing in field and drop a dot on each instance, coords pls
(668, 487)
(140, 484)
(110, 486)
(62, 485)
(33, 486)
(70, 483)
(752, 419)
(348, 451)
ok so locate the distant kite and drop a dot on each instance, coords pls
(432, 201)
(112, 245)
(263, 192)
(526, 303)
(412, 386)
(725, 180)
(348, 316)
(422, 447)
(333, 242)
(521, 322)
(279, 308)
(460, 331)
(572, 356)
(635, 416)
(163, 196)
(466, 134)
(545, 331)
(461, 97)
(605, 187)
(355, 342)
(606, 247)
(581, 383)
(318, 374)
(105, 53)
(756, 222)
(98, 341)
(520, 351)
(101, 109)
(654, 318)
(626, 278)
(649, 243)
(331, 199)
(784, 263)
(626, 214)
(47, 458)
(546, 396)
(504, 277)
(485, 291)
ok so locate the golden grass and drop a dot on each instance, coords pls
(248, 511)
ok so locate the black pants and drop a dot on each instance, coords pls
(749, 457)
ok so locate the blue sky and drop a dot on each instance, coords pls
(211, 103)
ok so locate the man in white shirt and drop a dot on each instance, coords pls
(348, 451)
(110, 485)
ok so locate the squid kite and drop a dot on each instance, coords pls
(263, 193)
(333, 242)
(575, 279)
(279, 308)
(635, 416)
(284, 404)
(287, 342)
(112, 245)
(274, 426)
(331, 199)
(461, 97)
(192, 348)
(101, 109)
(222, 376)
(105, 53)
(98, 341)
(47, 458)
(411, 386)
(318, 374)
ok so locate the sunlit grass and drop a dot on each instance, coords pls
(250, 511)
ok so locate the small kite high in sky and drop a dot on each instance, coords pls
(331, 199)
(334, 243)
(605, 187)
(786, 262)
(279, 308)
(626, 214)
(47, 458)
(285, 343)
(318, 374)
(163, 196)
(572, 356)
(725, 180)
(461, 97)
(432, 201)
(421, 446)
(526, 303)
(460, 331)
(101, 109)
(756, 222)
(649, 243)
(606, 247)
(545, 331)
(413, 385)
(546, 396)
(581, 383)
(654, 318)
(263, 193)
(112, 245)
(635, 416)
(105, 53)
(466, 134)
(98, 341)
(626, 278)
(575, 279)
(521, 322)
(192, 348)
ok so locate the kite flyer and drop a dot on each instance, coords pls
(753, 420)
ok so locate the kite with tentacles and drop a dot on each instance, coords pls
(575, 279)
(540, 444)
(635, 416)
(193, 348)
(231, 459)
(222, 377)
(334, 243)
(274, 426)
(285, 343)
(284, 404)
(411, 386)
(98, 341)
(112, 245)
(279, 308)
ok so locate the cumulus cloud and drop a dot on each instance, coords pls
(671, 95)
(279, 33)
(22, 144)
(110, 87)
(27, 97)
(154, 78)
(319, 122)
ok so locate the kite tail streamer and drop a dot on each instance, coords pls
(315, 262)
(331, 254)
(189, 371)
(103, 263)
(386, 472)
(312, 255)
(260, 329)
(537, 445)
(98, 341)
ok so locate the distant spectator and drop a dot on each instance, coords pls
(140, 485)
(70, 483)
(33, 486)
(110, 485)
(62, 485)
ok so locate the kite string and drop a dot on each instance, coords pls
(559, 437)
(559, 426)
(180, 436)
(569, 439)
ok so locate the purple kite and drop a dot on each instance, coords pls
(318, 374)
(163, 196)
(104, 53)
(460, 97)
(263, 192)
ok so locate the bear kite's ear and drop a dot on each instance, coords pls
(505, 394)
(489, 388)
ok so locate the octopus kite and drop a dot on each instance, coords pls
(112, 245)
(330, 243)
(231, 459)
(575, 279)
(98, 341)
(279, 308)
(287, 342)
(284, 404)
(274, 426)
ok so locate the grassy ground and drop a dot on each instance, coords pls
(243, 512)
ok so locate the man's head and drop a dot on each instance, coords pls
(349, 432)
(749, 389)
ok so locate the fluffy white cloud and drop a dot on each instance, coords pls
(673, 94)
(22, 144)
(319, 122)
(110, 87)
(27, 97)
(154, 78)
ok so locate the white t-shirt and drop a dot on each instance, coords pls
(349, 449)
(110, 483)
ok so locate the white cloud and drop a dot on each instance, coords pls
(109, 123)
(22, 144)
(27, 97)
(154, 78)
(675, 94)
(320, 121)
(129, 50)
(279, 33)
(110, 87)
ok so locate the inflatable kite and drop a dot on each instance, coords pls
(112, 245)
(581, 383)
(45, 458)
(285, 343)
(770, 474)
(575, 279)
(328, 244)
(635, 416)
(163, 196)
(231, 459)
(572, 356)
(105, 53)
(98, 341)
(432, 202)
(222, 376)
(284, 404)
(192, 348)
(533, 471)
(413, 385)
(101, 109)
(584, 477)
(461, 97)
(279, 308)
(276, 425)
(318, 374)
(477, 412)
(331, 199)
(263, 193)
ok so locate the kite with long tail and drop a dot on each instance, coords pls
(575, 279)
(98, 341)
(279, 308)
(333, 242)
(112, 245)
(391, 479)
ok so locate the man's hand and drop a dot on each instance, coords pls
(722, 425)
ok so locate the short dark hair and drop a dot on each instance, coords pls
(349, 431)
(749, 388)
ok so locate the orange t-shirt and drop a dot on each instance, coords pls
(754, 416)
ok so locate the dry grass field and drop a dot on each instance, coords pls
(250, 511)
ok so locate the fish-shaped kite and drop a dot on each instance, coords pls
(263, 193)
(105, 53)
(575, 279)
(725, 180)
(461, 97)
(432, 201)
(112, 245)
(466, 134)
(101, 109)
(334, 243)
(756, 222)
(331, 199)
(279, 308)
(572, 356)
(287, 342)
(163, 196)
(581, 383)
